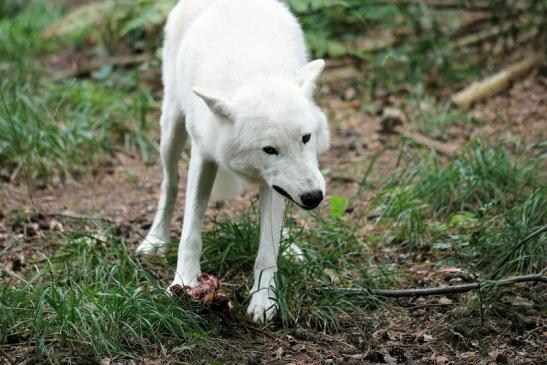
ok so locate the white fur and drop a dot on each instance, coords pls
(237, 70)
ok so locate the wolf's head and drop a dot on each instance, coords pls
(278, 131)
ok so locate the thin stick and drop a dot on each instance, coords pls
(417, 292)
(442, 148)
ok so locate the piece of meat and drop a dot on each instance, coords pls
(206, 292)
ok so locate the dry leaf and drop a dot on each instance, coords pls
(279, 353)
(441, 360)
(334, 278)
(445, 300)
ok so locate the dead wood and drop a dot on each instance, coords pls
(445, 149)
(418, 292)
(480, 36)
(497, 82)
(522, 24)
(85, 68)
(344, 73)
(442, 4)
(392, 120)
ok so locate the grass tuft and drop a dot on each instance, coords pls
(93, 299)
(478, 205)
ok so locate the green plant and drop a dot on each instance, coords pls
(93, 299)
(479, 206)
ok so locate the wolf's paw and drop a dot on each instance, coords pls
(151, 244)
(262, 308)
(294, 253)
(186, 278)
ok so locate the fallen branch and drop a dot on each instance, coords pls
(440, 147)
(14, 274)
(400, 293)
(487, 33)
(441, 4)
(79, 70)
(350, 72)
(495, 83)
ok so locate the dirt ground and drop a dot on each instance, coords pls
(422, 330)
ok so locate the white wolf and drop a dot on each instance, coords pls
(237, 71)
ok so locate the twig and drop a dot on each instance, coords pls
(14, 274)
(343, 73)
(538, 232)
(80, 217)
(442, 148)
(417, 292)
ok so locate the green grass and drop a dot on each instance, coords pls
(59, 128)
(477, 207)
(93, 299)
(229, 252)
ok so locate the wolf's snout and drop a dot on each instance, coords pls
(311, 199)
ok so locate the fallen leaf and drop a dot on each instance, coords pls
(445, 301)
(299, 347)
(468, 355)
(334, 278)
(448, 270)
(441, 360)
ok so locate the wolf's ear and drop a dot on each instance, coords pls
(307, 76)
(217, 101)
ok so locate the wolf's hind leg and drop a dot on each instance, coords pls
(173, 137)
(293, 252)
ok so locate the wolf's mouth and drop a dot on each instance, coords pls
(288, 196)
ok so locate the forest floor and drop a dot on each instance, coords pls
(418, 330)
(72, 289)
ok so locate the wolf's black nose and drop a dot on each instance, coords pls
(312, 199)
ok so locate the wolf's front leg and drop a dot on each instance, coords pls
(201, 176)
(262, 306)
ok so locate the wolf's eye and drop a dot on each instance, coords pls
(270, 150)
(306, 138)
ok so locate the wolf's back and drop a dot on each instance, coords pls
(180, 18)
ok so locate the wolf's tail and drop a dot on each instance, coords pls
(227, 185)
